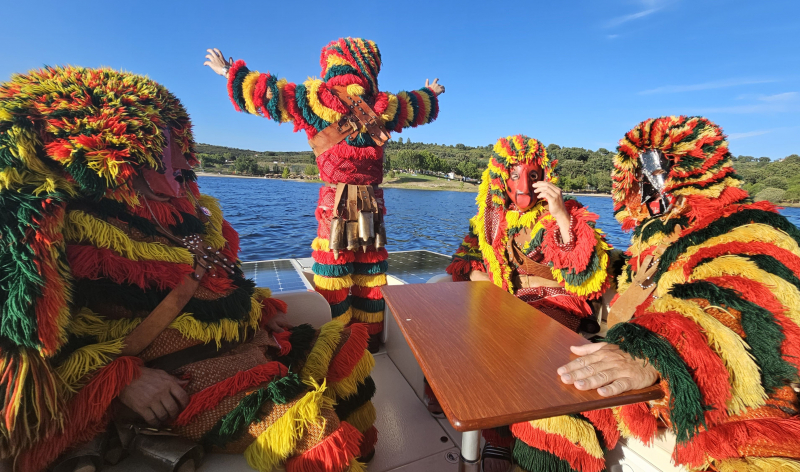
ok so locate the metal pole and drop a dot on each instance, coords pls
(470, 452)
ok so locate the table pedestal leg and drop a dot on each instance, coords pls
(470, 460)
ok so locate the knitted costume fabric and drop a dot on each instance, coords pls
(311, 107)
(721, 327)
(86, 258)
(581, 266)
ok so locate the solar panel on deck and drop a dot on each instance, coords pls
(417, 267)
(278, 276)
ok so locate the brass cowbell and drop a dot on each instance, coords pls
(337, 240)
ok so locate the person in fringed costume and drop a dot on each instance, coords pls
(527, 240)
(102, 222)
(347, 120)
(709, 308)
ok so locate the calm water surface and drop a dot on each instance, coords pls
(275, 218)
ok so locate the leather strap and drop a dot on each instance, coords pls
(529, 266)
(165, 313)
(360, 116)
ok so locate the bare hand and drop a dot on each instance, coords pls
(216, 61)
(555, 203)
(608, 369)
(434, 86)
(156, 396)
(477, 275)
(278, 323)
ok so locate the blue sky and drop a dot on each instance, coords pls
(575, 73)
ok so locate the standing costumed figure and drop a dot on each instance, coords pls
(709, 308)
(527, 240)
(347, 121)
(122, 299)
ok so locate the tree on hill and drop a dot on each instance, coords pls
(285, 173)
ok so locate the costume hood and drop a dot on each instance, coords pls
(349, 61)
(509, 151)
(697, 151)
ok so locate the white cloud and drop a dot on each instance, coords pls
(780, 97)
(612, 36)
(706, 85)
(650, 7)
(749, 134)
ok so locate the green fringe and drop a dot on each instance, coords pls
(370, 268)
(764, 335)
(535, 460)
(775, 267)
(645, 232)
(686, 408)
(723, 226)
(350, 404)
(339, 308)
(301, 338)
(308, 114)
(332, 270)
(250, 410)
(370, 306)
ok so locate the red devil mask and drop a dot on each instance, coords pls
(519, 188)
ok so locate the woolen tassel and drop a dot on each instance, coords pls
(284, 340)
(369, 441)
(326, 257)
(334, 296)
(333, 454)
(559, 446)
(349, 385)
(232, 93)
(318, 360)
(372, 256)
(758, 464)
(86, 414)
(534, 460)
(639, 421)
(89, 262)
(209, 398)
(364, 417)
(349, 354)
(604, 421)
(374, 328)
(372, 293)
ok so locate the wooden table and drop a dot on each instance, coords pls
(491, 358)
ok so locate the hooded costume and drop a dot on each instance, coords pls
(86, 258)
(349, 280)
(720, 327)
(580, 267)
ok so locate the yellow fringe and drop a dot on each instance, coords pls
(365, 317)
(334, 60)
(346, 317)
(355, 89)
(426, 99)
(391, 109)
(279, 441)
(285, 116)
(595, 282)
(758, 464)
(191, 328)
(319, 244)
(13, 180)
(213, 236)
(356, 466)
(333, 283)
(478, 227)
(363, 417)
(745, 379)
(576, 431)
(312, 93)
(376, 280)
(87, 359)
(87, 323)
(319, 359)
(349, 385)
(624, 429)
(81, 227)
(248, 87)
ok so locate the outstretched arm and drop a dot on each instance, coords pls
(251, 91)
(411, 109)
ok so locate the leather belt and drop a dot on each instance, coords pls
(350, 125)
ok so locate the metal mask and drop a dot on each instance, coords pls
(653, 182)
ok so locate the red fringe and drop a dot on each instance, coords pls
(165, 213)
(606, 424)
(493, 437)
(460, 269)
(290, 101)
(754, 247)
(581, 253)
(333, 454)
(699, 206)
(381, 103)
(346, 151)
(374, 328)
(334, 297)
(371, 255)
(327, 99)
(369, 441)
(558, 445)
(371, 293)
(219, 283)
(232, 238)
(422, 112)
(326, 257)
(349, 354)
(53, 298)
(402, 113)
(270, 308)
(640, 421)
(89, 262)
(730, 440)
(708, 371)
(761, 295)
(260, 93)
(231, 77)
(572, 304)
(710, 213)
(283, 340)
(87, 413)
(210, 397)
(348, 79)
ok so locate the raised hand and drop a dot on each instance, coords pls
(156, 396)
(607, 368)
(437, 88)
(216, 61)
(555, 203)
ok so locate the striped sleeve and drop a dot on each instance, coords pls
(467, 258)
(410, 109)
(248, 89)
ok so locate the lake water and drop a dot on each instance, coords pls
(275, 218)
